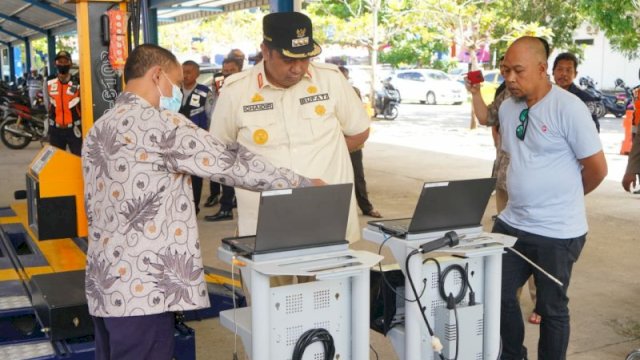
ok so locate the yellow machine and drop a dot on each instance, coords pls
(55, 195)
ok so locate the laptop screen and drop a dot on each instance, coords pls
(303, 217)
(451, 204)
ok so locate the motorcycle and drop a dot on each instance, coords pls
(20, 126)
(386, 101)
(617, 104)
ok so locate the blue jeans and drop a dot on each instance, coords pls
(555, 256)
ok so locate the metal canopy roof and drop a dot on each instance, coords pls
(20, 19)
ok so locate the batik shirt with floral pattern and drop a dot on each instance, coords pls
(144, 251)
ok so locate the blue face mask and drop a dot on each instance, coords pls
(174, 102)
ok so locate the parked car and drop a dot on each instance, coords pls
(428, 86)
(492, 80)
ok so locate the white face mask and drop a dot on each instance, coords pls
(173, 102)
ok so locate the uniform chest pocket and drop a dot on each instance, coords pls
(318, 119)
(260, 128)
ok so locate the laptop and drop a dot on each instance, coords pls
(296, 219)
(448, 205)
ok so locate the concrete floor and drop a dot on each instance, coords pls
(605, 285)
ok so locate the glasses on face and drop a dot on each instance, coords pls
(521, 130)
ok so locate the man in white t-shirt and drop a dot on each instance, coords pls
(292, 111)
(556, 159)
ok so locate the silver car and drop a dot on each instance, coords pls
(428, 86)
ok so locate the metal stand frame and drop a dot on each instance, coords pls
(410, 340)
(340, 292)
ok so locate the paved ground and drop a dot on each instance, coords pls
(428, 143)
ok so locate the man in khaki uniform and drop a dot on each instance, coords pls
(294, 112)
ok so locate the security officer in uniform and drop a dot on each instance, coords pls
(63, 99)
(294, 112)
(197, 103)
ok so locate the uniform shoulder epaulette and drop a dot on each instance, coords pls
(235, 77)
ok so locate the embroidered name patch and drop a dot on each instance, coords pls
(257, 107)
(314, 98)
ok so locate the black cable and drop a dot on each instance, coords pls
(455, 314)
(309, 337)
(472, 294)
(415, 292)
(442, 278)
(384, 278)
(374, 352)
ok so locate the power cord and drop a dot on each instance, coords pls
(435, 342)
(384, 277)
(374, 352)
(311, 336)
(452, 301)
(451, 305)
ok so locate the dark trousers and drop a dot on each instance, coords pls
(556, 256)
(359, 182)
(61, 138)
(135, 337)
(196, 184)
(214, 188)
(226, 201)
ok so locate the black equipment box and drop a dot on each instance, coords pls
(60, 303)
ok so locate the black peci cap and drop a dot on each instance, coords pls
(291, 33)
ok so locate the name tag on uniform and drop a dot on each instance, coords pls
(195, 100)
(314, 98)
(257, 107)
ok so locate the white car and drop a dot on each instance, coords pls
(428, 86)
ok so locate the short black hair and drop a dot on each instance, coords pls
(566, 56)
(145, 56)
(236, 61)
(191, 63)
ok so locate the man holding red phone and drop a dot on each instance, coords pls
(556, 159)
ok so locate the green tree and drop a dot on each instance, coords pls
(620, 21)
(555, 20)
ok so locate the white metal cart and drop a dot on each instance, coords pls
(411, 341)
(338, 301)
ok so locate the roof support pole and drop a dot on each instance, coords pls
(12, 64)
(51, 52)
(27, 50)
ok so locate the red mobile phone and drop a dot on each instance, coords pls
(475, 77)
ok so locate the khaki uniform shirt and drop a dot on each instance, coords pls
(144, 253)
(301, 127)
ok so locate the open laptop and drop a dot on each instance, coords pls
(448, 205)
(295, 219)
